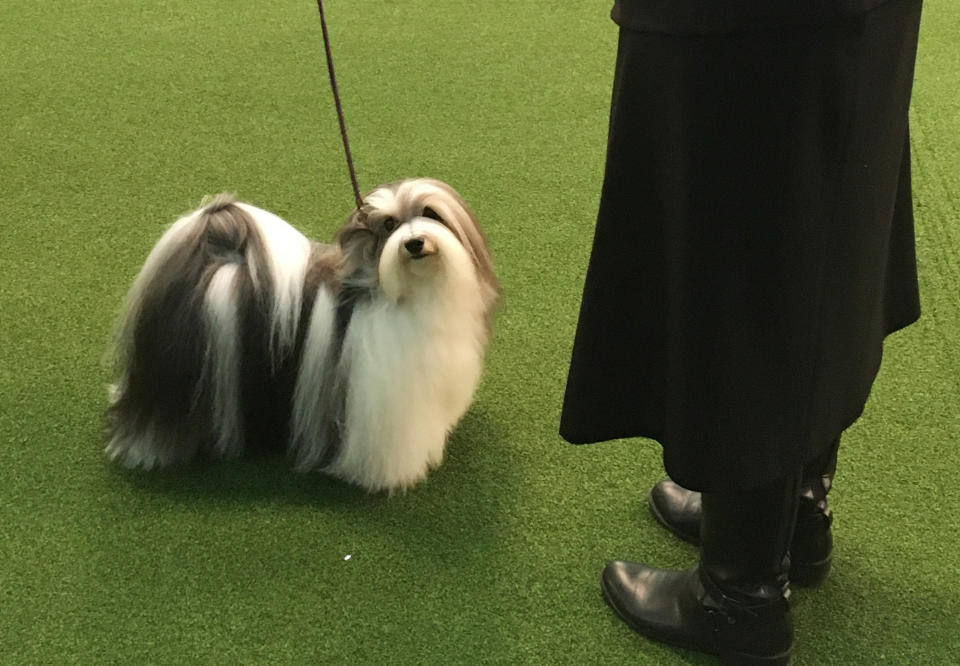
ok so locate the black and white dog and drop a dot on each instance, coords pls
(356, 358)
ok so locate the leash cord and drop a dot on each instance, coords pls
(336, 99)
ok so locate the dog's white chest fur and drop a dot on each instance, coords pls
(411, 372)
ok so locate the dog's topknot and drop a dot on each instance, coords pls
(217, 203)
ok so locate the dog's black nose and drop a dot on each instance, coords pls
(414, 246)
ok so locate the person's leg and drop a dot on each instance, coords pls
(734, 603)
(679, 510)
(811, 549)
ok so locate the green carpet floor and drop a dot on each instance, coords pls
(118, 115)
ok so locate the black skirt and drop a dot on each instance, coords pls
(754, 243)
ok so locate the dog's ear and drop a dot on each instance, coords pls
(447, 207)
(359, 247)
(355, 224)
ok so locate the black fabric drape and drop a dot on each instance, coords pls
(754, 243)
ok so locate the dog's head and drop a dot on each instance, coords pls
(411, 232)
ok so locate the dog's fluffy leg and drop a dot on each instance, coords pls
(315, 415)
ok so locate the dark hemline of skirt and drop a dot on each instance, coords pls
(754, 244)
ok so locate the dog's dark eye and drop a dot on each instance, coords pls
(390, 224)
(432, 214)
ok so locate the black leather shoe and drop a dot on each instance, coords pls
(687, 609)
(677, 509)
(811, 551)
(734, 603)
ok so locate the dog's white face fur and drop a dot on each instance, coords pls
(417, 253)
(396, 317)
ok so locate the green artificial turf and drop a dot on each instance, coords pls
(118, 115)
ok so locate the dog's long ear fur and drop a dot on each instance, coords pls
(463, 223)
(359, 245)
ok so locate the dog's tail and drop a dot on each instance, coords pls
(207, 281)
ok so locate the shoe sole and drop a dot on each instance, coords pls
(728, 657)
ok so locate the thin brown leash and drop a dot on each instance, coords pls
(336, 99)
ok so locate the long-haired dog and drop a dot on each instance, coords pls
(356, 358)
